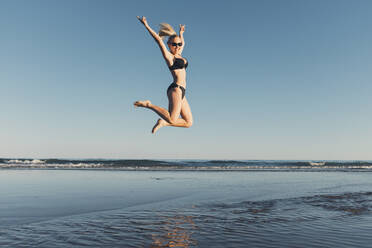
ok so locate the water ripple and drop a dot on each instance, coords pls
(330, 220)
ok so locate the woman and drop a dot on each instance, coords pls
(176, 91)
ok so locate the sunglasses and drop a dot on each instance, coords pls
(175, 44)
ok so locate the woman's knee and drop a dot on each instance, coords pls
(188, 123)
(172, 120)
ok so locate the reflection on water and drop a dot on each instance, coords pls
(176, 231)
(336, 220)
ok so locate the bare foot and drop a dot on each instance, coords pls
(160, 123)
(144, 104)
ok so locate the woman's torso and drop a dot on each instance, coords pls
(178, 70)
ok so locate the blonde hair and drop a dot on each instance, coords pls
(166, 30)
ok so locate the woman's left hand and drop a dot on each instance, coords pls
(142, 19)
(182, 28)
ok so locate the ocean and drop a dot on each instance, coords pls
(219, 165)
(185, 203)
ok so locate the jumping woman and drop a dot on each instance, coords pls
(178, 104)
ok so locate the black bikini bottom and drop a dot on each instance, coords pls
(174, 85)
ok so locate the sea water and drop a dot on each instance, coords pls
(62, 207)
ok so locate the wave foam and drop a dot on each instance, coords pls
(26, 161)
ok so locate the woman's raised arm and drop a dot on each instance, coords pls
(182, 30)
(166, 54)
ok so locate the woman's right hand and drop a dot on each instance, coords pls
(142, 19)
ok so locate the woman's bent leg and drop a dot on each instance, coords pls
(162, 112)
(177, 107)
(186, 120)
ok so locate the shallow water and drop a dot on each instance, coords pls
(64, 208)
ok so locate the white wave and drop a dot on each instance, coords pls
(36, 163)
(18, 161)
(317, 163)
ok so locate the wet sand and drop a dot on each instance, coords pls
(95, 208)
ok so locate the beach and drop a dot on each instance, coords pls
(121, 208)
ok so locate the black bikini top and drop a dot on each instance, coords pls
(178, 64)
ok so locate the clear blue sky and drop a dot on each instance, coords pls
(266, 79)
